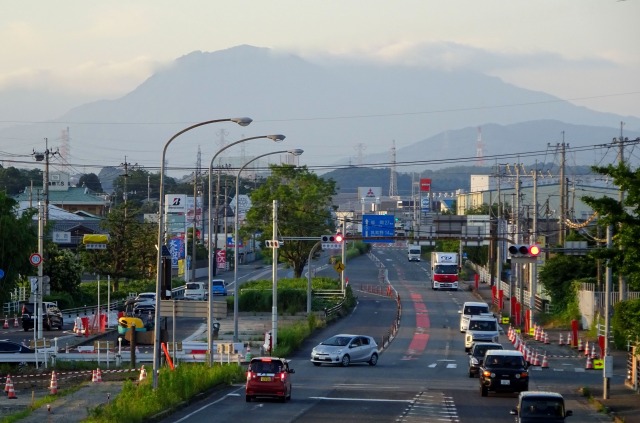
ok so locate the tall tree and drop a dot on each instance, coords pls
(18, 239)
(91, 181)
(64, 270)
(625, 219)
(304, 210)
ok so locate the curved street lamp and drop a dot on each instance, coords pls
(295, 152)
(242, 121)
(214, 247)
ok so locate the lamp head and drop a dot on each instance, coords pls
(276, 137)
(242, 121)
(296, 152)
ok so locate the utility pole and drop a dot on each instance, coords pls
(40, 156)
(608, 359)
(622, 281)
(125, 175)
(533, 267)
(563, 193)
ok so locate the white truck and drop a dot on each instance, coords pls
(413, 252)
(444, 270)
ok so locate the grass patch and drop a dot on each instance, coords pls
(49, 399)
(139, 402)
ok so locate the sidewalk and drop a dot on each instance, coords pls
(623, 403)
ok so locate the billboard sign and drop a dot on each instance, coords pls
(425, 184)
(175, 203)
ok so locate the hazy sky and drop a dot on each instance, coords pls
(574, 49)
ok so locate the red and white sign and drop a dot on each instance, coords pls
(35, 259)
(425, 184)
(221, 259)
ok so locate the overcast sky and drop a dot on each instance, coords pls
(585, 51)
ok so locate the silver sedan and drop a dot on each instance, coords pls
(344, 349)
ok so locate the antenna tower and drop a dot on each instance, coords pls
(479, 149)
(360, 147)
(393, 183)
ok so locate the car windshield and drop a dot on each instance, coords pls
(146, 296)
(504, 361)
(480, 350)
(218, 284)
(337, 341)
(193, 285)
(446, 269)
(542, 407)
(483, 325)
(475, 310)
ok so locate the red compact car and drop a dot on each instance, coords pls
(268, 377)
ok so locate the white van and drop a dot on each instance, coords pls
(196, 291)
(482, 328)
(413, 253)
(471, 308)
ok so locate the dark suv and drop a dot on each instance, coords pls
(476, 355)
(540, 406)
(51, 316)
(503, 371)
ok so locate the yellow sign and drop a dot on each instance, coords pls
(95, 239)
(339, 266)
(598, 363)
(505, 320)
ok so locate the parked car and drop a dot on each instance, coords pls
(218, 287)
(503, 371)
(10, 347)
(345, 349)
(196, 291)
(145, 302)
(268, 377)
(476, 355)
(540, 406)
(51, 316)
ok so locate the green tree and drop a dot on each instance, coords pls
(304, 210)
(131, 251)
(557, 275)
(18, 239)
(91, 181)
(625, 219)
(63, 268)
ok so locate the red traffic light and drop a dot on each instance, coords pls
(339, 237)
(534, 250)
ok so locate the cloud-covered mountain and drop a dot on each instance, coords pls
(330, 111)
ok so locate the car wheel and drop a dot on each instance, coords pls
(316, 364)
(289, 396)
(247, 398)
(346, 360)
(484, 391)
(373, 360)
(471, 373)
(61, 324)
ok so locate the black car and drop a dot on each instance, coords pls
(10, 347)
(540, 406)
(503, 371)
(476, 355)
(51, 316)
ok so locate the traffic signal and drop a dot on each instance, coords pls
(332, 238)
(524, 250)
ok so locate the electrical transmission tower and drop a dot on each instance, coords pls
(479, 148)
(360, 147)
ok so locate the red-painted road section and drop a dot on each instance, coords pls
(421, 336)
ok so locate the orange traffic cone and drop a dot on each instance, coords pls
(11, 393)
(53, 387)
(589, 365)
(15, 322)
(545, 362)
(586, 348)
(561, 341)
(6, 385)
(594, 355)
(546, 338)
(580, 345)
(569, 339)
(143, 374)
(536, 360)
(6, 323)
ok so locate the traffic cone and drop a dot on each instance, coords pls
(561, 341)
(11, 394)
(15, 322)
(536, 360)
(93, 376)
(6, 323)
(545, 362)
(569, 339)
(586, 348)
(143, 374)
(580, 345)
(589, 365)
(53, 387)
(594, 355)
(6, 385)
(546, 338)
(98, 377)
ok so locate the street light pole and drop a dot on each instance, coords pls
(244, 121)
(295, 152)
(212, 248)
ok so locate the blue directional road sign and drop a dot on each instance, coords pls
(376, 225)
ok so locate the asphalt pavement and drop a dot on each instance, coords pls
(623, 404)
